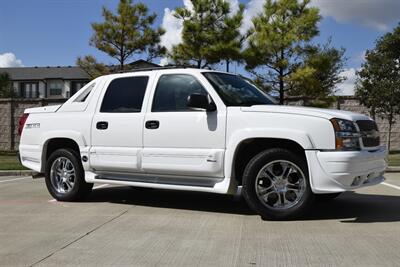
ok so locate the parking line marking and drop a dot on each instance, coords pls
(392, 186)
(16, 179)
(96, 187)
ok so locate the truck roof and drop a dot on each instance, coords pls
(167, 69)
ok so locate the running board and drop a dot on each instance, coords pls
(160, 179)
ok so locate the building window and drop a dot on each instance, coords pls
(30, 89)
(76, 86)
(55, 88)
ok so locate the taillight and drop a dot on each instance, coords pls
(22, 121)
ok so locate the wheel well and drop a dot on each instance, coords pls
(57, 143)
(247, 149)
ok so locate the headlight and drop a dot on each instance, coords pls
(346, 135)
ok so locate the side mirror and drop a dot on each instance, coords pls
(199, 101)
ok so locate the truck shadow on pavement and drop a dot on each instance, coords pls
(350, 207)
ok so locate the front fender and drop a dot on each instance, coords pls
(298, 136)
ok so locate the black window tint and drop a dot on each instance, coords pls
(125, 95)
(236, 91)
(173, 90)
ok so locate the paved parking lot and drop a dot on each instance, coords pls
(123, 226)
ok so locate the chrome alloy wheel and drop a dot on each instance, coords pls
(280, 184)
(62, 175)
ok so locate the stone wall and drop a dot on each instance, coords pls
(5, 125)
(9, 139)
(10, 113)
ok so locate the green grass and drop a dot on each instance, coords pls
(394, 159)
(9, 161)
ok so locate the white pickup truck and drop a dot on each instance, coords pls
(200, 130)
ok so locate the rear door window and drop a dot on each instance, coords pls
(125, 95)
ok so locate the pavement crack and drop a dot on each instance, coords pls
(80, 237)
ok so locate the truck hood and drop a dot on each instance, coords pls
(46, 109)
(306, 111)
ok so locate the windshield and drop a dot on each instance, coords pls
(236, 91)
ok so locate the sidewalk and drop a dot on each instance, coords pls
(17, 173)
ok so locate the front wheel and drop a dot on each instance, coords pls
(64, 175)
(276, 184)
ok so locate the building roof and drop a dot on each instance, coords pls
(142, 64)
(41, 73)
(138, 64)
(59, 72)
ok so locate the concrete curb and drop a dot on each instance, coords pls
(17, 173)
(393, 169)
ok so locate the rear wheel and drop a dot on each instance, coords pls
(276, 184)
(64, 175)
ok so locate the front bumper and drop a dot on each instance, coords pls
(338, 171)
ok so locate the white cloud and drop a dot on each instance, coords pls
(188, 4)
(347, 87)
(173, 30)
(173, 26)
(164, 61)
(371, 13)
(253, 8)
(9, 60)
(234, 5)
(359, 58)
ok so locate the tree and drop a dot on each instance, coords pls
(318, 74)
(378, 82)
(210, 34)
(367, 87)
(92, 67)
(5, 86)
(127, 33)
(277, 40)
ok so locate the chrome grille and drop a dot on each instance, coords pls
(369, 133)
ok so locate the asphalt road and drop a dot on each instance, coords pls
(122, 226)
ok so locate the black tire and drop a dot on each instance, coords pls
(249, 185)
(326, 197)
(80, 188)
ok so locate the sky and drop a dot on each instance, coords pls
(56, 32)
